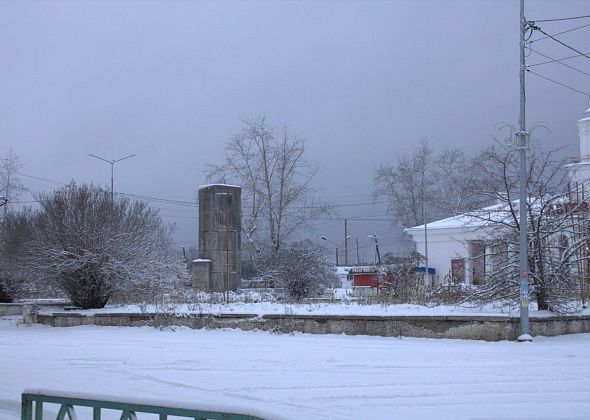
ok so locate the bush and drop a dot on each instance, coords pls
(16, 232)
(92, 247)
(302, 270)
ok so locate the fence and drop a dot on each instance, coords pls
(33, 401)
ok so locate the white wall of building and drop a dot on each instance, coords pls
(445, 245)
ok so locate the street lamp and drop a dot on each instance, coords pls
(335, 245)
(112, 162)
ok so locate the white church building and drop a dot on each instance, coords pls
(457, 245)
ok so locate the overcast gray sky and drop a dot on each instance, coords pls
(361, 81)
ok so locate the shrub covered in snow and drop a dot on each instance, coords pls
(301, 269)
(16, 232)
(92, 247)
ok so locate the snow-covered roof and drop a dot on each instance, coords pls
(586, 116)
(198, 260)
(219, 185)
(470, 220)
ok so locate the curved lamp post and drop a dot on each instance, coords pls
(335, 245)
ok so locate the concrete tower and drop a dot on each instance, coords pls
(219, 266)
(580, 168)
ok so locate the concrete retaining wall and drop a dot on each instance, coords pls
(462, 327)
(7, 309)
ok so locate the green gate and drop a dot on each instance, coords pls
(32, 408)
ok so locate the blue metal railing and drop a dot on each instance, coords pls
(32, 408)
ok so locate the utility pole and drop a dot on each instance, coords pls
(426, 273)
(377, 254)
(335, 245)
(358, 255)
(377, 250)
(112, 162)
(227, 272)
(346, 242)
(522, 144)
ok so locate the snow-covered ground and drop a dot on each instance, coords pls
(323, 308)
(249, 301)
(302, 376)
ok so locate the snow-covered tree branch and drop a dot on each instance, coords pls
(276, 182)
(92, 248)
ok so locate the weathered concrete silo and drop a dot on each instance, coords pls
(219, 267)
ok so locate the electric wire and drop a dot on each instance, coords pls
(562, 19)
(561, 42)
(558, 83)
(175, 216)
(159, 199)
(194, 204)
(23, 202)
(41, 179)
(370, 219)
(558, 62)
(561, 33)
(554, 60)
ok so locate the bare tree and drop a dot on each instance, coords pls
(406, 184)
(276, 181)
(457, 180)
(558, 229)
(93, 248)
(10, 183)
(423, 186)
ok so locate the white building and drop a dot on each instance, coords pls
(457, 248)
(580, 168)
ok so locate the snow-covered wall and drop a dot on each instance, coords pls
(580, 167)
(489, 328)
(584, 132)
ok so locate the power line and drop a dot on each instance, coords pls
(562, 19)
(194, 204)
(558, 62)
(181, 210)
(24, 202)
(561, 33)
(560, 42)
(558, 83)
(355, 218)
(368, 203)
(159, 199)
(174, 216)
(41, 179)
(379, 213)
